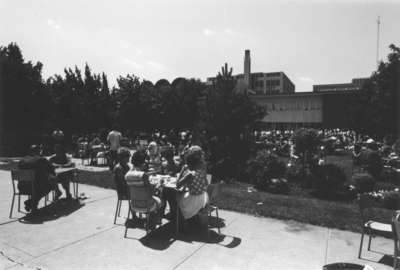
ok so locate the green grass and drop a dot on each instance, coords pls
(332, 214)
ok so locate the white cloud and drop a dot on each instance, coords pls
(127, 45)
(133, 64)
(229, 31)
(306, 80)
(53, 24)
(156, 65)
(208, 32)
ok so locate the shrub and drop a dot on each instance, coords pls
(391, 200)
(264, 167)
(275, 185)
(306, 143)
(328, 179)
(372, 162)
(363, 182)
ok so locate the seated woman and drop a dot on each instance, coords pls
(137, 177)
(168, 165)
(154, 158)
(61, 160)
(171, 168)
(120, 170)
(193, 178)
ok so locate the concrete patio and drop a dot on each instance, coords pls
(83, 236)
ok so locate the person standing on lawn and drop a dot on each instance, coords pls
(114, 138)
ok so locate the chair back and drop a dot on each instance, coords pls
(23, 175)
(140, 196)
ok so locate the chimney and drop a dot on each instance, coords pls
(247, 68)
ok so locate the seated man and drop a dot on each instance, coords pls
(61, 160)
(44, 177)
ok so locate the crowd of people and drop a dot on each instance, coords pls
(133, 158)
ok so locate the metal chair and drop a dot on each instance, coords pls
(396, 233)
(213, 191)
(21, 176)
(140, 195)
(122, 195)
(369, 226)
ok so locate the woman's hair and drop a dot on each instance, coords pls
(138, 158)
(194, 156)
(168, 154)
(122, 153)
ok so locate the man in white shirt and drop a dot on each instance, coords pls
(114, 137)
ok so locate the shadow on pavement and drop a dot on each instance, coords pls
(162, 237)
(387, 260)
(60, 208)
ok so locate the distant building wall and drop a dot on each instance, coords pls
(293, 108)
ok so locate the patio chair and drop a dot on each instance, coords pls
(122, 195)
(213, 191)
(139, 196)
(21, 176)
(396, 233)
(370, 227)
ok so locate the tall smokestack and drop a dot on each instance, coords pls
(247, 68)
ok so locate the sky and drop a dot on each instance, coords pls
(313, 42)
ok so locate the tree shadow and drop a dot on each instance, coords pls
(162, 237)
(60, 208)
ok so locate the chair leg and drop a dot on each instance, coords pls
(127, 221)
(19, 203)
(119, 207)
(177, 222)
(12, 205)
(361, 244)
(218, 224)
(369, 242)
(116, 212)
(147, 222)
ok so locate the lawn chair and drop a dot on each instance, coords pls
(213, 191)
(396, 233)
(122, 195)
(139, 196)
(21, 176)
(370, 227)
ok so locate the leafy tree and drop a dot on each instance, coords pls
(374, 111)
(228, 116)
(306, 142)
(25, 101)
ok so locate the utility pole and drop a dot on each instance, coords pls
(378, 22)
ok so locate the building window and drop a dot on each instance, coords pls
(259, 84)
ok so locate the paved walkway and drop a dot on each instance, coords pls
(83, 236)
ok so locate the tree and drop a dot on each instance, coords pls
(228, 116)
(25, 101)
(306, 142)
(374, 111)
